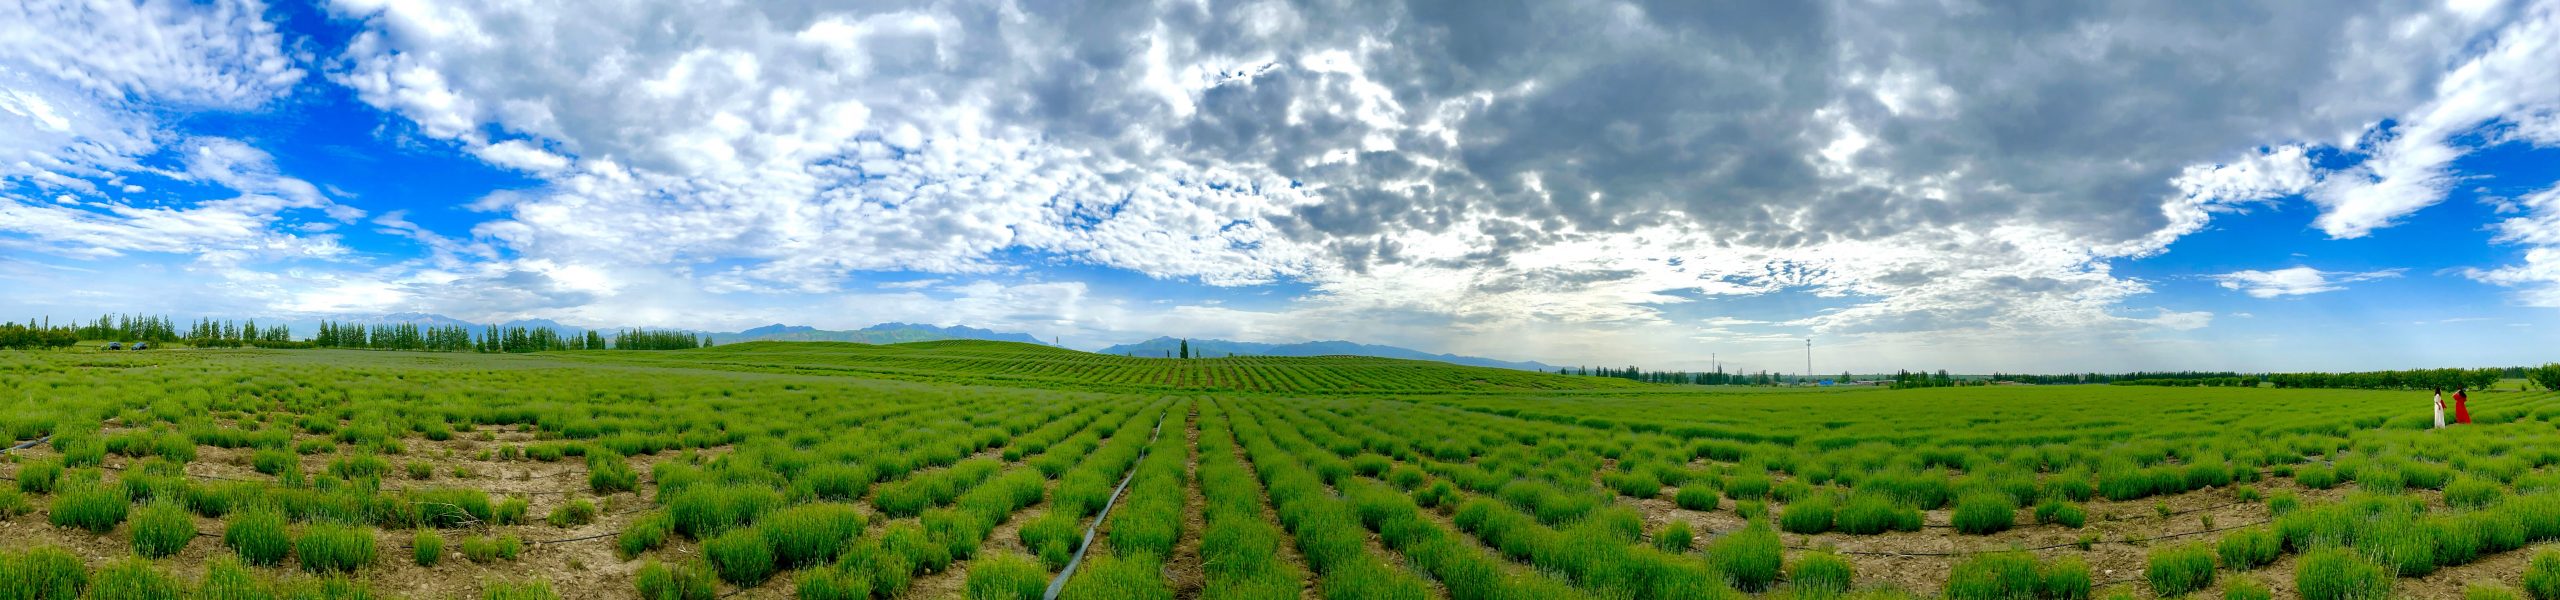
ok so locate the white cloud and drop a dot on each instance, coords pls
(2539, 232)
(2296, 281)
(2409, 166)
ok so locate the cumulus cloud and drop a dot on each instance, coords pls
(2296, 281)
(1478, 170)
(2538, 230)
(1392, 156)
(86, 84)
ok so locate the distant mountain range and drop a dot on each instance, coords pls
(1166, 346)
(884, 333)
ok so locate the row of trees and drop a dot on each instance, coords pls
(2418, 379)
(215, 333)
(644, 339)
(402, 336)
(209, 333)
(1715, 377)
(35, 335)
(2079, 378)
(129, 328)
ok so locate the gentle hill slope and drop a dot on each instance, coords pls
(978, 361)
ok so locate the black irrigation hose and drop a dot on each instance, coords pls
(1059, 583)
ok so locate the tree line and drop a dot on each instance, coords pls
(34, 335)
(218, 333)
(209, 333)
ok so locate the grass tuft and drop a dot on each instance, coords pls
(427, 547)
(1985, 513)
(334, 548)
(2177, 570)
(1006, 576)
(92, 506)
(1750, 558)
(742, 556)
(694, 581)
(258, 535)
(2339, 574)
(162, 529)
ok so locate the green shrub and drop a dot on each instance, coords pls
(1140, 577)
(511, 511)
(1696, 496)
(810, 534)
(2339, 574)
(485, 549)
(2488, 591)
(572, 514)
(1996, 576)
(2055, 511)
(643, 534)
(1750, 558)
(2400, 543)
(427, 546)
(2066, 579)
(132, 579)
(334, 548)
(2283, 503)
(14, 503)
(420, 470)
(1807, 516)
(92, 506)
(2246, 588)
(258, 535)
(1985, 513)
(2316, 477)
(1748, 486)
(45, 572)
(162, 529)
(39, 477)
(829, 584)
(226, 579)
(704, 510)
(1052, 537)
(1675, 537)
(1006, 576)
(2542, 576)
(2177, 570)
(608, 473)
(2469, 492)
(1870, 514)
(742, 556)
(360, 466)
(694, 581)
(519, 590)
(2248, 549)
(1820, 574)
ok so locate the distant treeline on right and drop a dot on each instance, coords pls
(2546, 376)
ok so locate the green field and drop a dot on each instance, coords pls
(972, 469)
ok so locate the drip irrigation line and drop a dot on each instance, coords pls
(1059, 583)
(27, 444)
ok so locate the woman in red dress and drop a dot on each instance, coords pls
(2461, 410)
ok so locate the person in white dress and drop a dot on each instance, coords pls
(2439, 408)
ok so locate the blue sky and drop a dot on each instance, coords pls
(2148, 185)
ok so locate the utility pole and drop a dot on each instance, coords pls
(1808, 360)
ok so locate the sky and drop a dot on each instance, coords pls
(2018, 187)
